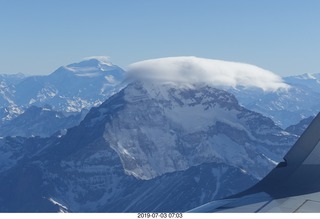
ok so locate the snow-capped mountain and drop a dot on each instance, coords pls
(172, 139)
(146, 147)
(70, 88)
(40, 121)
(189, 126)
(285, 100)
(310, 81)
(285, 106)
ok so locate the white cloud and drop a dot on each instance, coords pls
(102, 59)
(193, 70)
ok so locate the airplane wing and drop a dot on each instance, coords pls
(292, 186)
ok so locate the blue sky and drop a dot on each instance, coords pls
(282, 36)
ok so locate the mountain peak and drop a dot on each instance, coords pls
(92, 62)
(158, 128)
(90, 67)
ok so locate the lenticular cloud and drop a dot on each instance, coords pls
(193, 70)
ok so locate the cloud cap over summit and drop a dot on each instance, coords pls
(193, 70)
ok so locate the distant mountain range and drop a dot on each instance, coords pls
(144, 145)
(88, 83)
(69, 89)
(285, 107)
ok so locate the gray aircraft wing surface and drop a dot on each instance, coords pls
(292, 186)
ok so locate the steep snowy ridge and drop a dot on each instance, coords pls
(189, 126)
